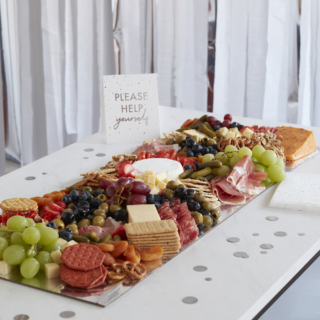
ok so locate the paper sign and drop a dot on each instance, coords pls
(131, 108)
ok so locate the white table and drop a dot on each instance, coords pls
(239, 289)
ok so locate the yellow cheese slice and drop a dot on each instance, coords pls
(297, 142)
(142, 213)
(161, 185)
(52, 270)
(152, 179)
(56, 257)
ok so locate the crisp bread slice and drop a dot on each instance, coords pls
(150, 227)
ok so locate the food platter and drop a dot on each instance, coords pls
(55, 286)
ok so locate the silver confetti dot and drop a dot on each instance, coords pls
(272, 218)
(67, 314)
(190, 300)
(233, 239)
(85, 157)
(208, 279)
(301, 234)
(21, 317)
(88, 149)
(264, 252)
(100, 154)
(255, 234)
(200, 268)
(266, 246)
(240, 254)
(280, 234)
(30, 178)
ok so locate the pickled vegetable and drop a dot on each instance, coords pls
(80, 239)
(204, 129)
(201, 173)
(197, 216)
(210, 164)
(186, 174)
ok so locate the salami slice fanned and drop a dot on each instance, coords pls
(190, 230)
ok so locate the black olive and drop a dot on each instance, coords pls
(194, 206)
(120, 215)
(150, 199)
(67, 217)
(180, 192)
(190, 192)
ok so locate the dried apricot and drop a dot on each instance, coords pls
(152, 254)
(132, 255)
(136, 248)
(57, 197)
(119, 260)
(106, 247)
(119, 248)
(108, 259)
(152, 265)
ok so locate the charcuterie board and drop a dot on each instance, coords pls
(116, 289)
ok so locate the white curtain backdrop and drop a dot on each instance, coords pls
(56, 53)
(309, 89)
(256, 58)
(182, 53)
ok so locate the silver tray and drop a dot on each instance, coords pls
(115, 291)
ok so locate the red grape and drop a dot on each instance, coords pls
(110, 202)
(110, 191)
(226, 123)
(214, 123)
(121, 183)
(104, 184)
(228, 117)
(138, 187)
(137, 199)
(211, 119)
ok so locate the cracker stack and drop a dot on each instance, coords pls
(15, 205)
(148, 234)
(200, 186)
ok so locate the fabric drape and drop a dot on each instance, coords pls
(56, 55)
(256, 58)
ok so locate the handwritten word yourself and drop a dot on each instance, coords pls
(119, 120)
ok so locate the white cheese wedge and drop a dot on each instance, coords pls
(5, 268)
(155, 190)
(56, 257)
(299, 192)
(142, 213)
(170, 167)
(52, 270)
(62, 242)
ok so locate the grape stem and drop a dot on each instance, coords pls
(33, 247)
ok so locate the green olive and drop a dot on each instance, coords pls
(168, 194)
(204, 141)
(199, 197)
(216, 213)
(105, 207)
(71, 188)
(89, 189)
(98, 221)
(59, 223)
(211, 142)
(67, 210)
(207, 221)
(99, 189)
(102, 197)
(99, 212)
(197, 216)
(181, 138)
(114, 208)
(70, 205)
(74, 228)
(84, 223)
(172, 185)
(206, 205)
(170, 141)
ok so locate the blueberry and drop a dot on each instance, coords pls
(205, 212)
(165, 200)
(210, 149)
(201, 233)
(180, 192)
(196, 148)
(83, 204)
(91, 211)
(157, 205)
(216, 127)
(85, 196)
(90, 216)
(190, 143)
(52, 225)
(80, 214)
(240, 126)
(150, 199)
(73, 208)
(120, 215)
(65, 235)
(98, 192)
(187, 167)
(66, 199)
(157, 197)
(182, 144)
(200, 226)
(215, 147)
(205, 150)
(74, 195)
(95, 203)
(67, 217)
(196, 164)
(197, 154)
(234, 124)
(68, 230)
(214, 152)
(194, 206)
(190, 192)
(190, 153)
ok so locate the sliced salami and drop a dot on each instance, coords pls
(174, 202)
(180, 232)
(190, 230)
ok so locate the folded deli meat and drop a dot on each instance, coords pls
(241, 184)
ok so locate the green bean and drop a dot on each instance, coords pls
(185, 174)
(204, 129)
(211, 164)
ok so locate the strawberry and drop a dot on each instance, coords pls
(55, 207)
(61, 204)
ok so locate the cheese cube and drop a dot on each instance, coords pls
(68, 244)
(140, 180)
(230, 135)
(142, 213)
(160, 176)
(247, 133)
(52, 270)
(149, 173)
(152, 179)
(150, 185)
(154, 190)
(139, 176)
(5, 268)
(161, 185)
(62, 242)
(53, 284)
(166, 180)
(235, 130)
(56, 256)
(145, 179)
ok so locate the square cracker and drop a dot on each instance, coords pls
(150, 227)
